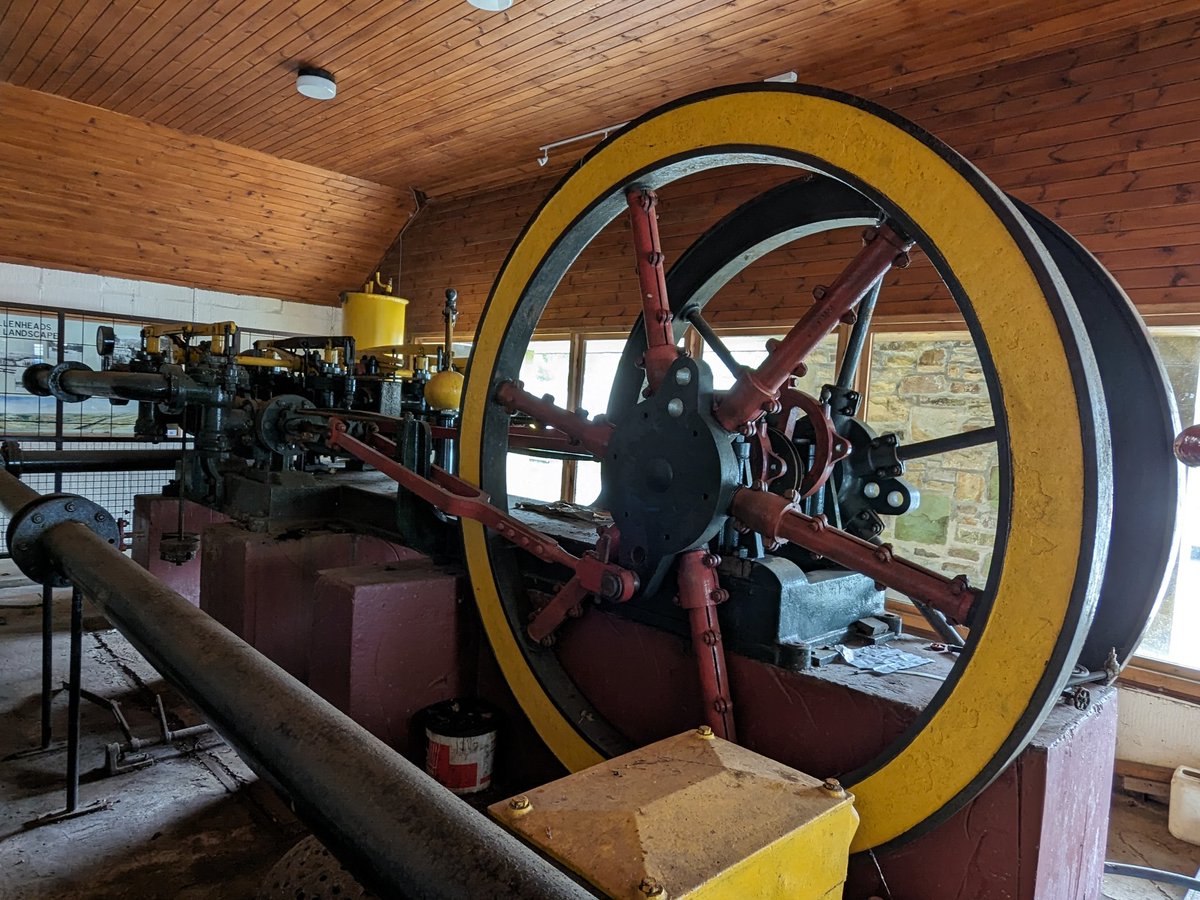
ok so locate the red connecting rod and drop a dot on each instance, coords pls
(456, 497)
(591, 435)
(776, 519)
(757, 390)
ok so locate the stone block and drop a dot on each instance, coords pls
(928, 524)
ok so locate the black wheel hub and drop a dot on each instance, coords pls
(669, 473)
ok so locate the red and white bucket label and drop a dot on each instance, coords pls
(462, 764)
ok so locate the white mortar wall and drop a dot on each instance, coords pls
(79, 291)
(1157, 730)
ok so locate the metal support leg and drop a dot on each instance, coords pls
(47, 661)
(73, 700)
(72, 809)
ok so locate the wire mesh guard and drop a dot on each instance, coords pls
(112, 490)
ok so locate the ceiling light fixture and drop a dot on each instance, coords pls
(491, 5)
(316, 84)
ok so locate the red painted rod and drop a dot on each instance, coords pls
(591, 435)
(661, 351)
(756, 391)
(776, 519)
(456, 497)
(699, 594)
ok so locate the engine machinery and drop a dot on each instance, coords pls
(747, 522)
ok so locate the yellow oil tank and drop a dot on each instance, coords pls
(444, 390)
(372, 316)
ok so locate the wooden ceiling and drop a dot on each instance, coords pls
(443, 97)
(164, 139)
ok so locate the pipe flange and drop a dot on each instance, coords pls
(32, 521)
(54, 381)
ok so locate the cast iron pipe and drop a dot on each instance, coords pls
(70, 462)
(83, 382)
(398, 831)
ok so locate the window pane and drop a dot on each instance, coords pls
(545, 370)
(751, 349)
(1172, 632)
(926, 386)
(29, 338)
(600, 360)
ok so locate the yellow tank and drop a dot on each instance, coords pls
(444, 390)
(372, 316)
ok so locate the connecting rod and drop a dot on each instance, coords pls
(397, 830)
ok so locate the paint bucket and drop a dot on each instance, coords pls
(462, 743)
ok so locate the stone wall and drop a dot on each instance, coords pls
(925, 386)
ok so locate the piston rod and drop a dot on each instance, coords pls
(397, 830)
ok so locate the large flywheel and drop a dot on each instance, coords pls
(679, 464)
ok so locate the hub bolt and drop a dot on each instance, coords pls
(651, 887)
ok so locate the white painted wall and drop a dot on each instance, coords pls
(79, 291)
(1157, 730)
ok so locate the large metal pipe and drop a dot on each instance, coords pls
(402, 834)
(45, 381)
(70, 462)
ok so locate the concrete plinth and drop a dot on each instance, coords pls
(261, 586)
(154, 514)
(386, 642)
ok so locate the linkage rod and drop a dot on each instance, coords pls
(775, 518)
(858, 337)
(713, 340)
(757, 390)
(592, 435)
(397, 830)
(456, 497)
(976, 437)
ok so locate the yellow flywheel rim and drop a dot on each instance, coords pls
(1050, 573)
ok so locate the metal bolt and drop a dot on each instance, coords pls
(833, 786)
(70, 507)
(683, 376)
(99, 517)
(704, 731)
(871, 490)
(819, 292)
(38, 518)
(711, 560)
(895, 499)
(675, 408)
(651, 887)
(518, 804)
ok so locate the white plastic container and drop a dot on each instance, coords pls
(1183, 820)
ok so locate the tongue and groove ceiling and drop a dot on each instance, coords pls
(164, 139)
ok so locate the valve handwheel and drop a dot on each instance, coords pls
(1047, 406)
